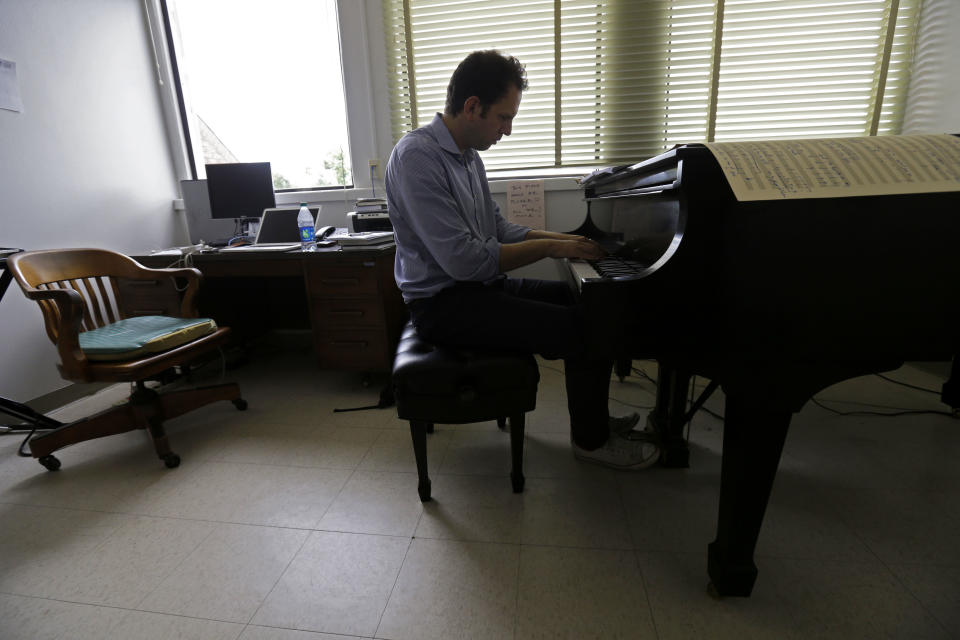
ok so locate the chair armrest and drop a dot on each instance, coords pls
(66, 334)
(193, 276)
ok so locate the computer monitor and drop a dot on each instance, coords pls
(240, 189)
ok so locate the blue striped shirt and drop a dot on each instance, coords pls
(447, 225)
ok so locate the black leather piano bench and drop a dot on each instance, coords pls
(433, 384)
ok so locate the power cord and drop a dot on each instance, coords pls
(884, 414)
(904, 384)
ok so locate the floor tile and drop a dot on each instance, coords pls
(337, 583)
(580, 512)
(24, 618)
(393, 451)
(252, 494)
(41, 545)
(937, 588)
(373, 502)
(792, 599)
(128, 565)
(450, 589)
(476, 508)
(901, 526)
(271, 633)
(143, 625)
(117, 473)
(471, 452)
(229, 575)
(581, 593)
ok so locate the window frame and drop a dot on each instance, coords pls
(357, 66)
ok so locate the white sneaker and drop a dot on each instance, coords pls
(619, 452)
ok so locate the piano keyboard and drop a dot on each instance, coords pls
(604, 269)
(612, 267)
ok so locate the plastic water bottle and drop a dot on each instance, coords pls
(305, 224)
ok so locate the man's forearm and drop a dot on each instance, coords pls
(540, 234)
(560, 245)
(518, 254)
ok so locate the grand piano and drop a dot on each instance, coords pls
(774, 270)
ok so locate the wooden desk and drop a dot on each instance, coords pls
(348, 299)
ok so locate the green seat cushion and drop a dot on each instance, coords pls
(141, 335)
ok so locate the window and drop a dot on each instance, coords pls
(262, 82)
(616, 81)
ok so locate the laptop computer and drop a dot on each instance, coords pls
(278, 230)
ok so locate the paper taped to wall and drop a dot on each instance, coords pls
(9, 89)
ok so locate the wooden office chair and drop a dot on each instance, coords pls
(94, 303)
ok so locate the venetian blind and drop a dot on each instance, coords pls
(618, 80)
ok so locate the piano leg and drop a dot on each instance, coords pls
(752, 443)
(667, 417)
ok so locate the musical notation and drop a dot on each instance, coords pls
(840, 167)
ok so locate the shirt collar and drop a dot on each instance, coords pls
(445, 138)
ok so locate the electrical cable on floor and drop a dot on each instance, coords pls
(883, 414)
(905, 384)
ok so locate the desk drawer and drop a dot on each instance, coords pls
(342, 280)
(348, 312)
(353, 349)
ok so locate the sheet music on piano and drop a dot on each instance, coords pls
(840, 167)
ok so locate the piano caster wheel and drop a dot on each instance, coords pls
(172, 460)
(50, 462)
(502, 424)
(240, 404)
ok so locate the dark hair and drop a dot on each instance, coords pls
(487, 75)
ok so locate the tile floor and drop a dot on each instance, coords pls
(291, 522)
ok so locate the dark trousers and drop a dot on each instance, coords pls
(533, 316)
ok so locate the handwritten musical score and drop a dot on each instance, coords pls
(525, 203)
(840, 167)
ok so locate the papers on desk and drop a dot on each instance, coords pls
(363, 238)
(254, 248)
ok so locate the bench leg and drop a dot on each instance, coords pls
(418, 431)
(516, 451)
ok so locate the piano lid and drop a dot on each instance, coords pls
(805, 168)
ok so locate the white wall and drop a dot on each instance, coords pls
(86, 163)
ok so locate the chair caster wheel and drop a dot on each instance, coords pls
(240, 404)
(50, 462)
(172, 460)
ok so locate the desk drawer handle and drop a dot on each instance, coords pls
(346, 312)
(363, 344)
(340, 281)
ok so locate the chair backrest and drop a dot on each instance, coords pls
(92, 273)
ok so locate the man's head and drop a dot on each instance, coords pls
(483, 97)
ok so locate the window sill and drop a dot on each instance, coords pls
(499, 184)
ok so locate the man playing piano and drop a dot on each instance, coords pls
(453, 248)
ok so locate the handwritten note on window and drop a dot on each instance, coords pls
(525, 203)
(838, 167)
